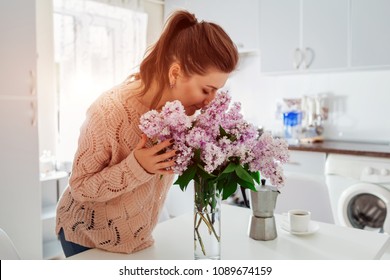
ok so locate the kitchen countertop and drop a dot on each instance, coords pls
(346, 147)
(174, 240)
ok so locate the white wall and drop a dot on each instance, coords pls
(359, 101)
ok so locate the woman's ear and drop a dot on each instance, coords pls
(174, 73)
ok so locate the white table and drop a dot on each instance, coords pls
(174, 241)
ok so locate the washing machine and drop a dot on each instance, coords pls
(359, 190)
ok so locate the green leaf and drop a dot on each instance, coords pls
(221, 184)
(184, 179)
(222, 177)
(222, 132)
(203, 173)
(230, 168)
(230, 186)
(246, 185)
(197, 156)
(255, 176)
(243, 174)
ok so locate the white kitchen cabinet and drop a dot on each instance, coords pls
(20, 189)
(305, 186)
(240, 19)
(370, 33)
(312, 163)
(20, 194)
(303, 35)
(279, 35)
(18, 53)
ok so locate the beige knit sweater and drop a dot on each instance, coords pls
(111, 202)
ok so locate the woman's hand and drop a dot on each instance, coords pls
(153, 159)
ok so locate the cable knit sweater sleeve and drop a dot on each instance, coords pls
(104, 166)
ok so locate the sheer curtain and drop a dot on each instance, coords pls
(96, 47)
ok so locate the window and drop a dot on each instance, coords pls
(96, 47)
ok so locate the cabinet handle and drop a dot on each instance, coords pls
(33, 82)
(33, 105)
(298, 58)
(293, 163)
(308, 57)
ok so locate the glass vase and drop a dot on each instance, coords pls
(207, 221)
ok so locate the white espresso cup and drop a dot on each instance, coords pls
(299, 220)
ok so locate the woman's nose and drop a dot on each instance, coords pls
(209, 98)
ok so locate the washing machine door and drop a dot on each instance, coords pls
(365, 206)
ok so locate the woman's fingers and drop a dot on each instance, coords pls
(155, 159)
(165, 156)
(161, 146)
(165, 164)
(164, 171)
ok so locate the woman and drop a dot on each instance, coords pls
(116, 190)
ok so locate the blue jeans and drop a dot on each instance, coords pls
(70, 248)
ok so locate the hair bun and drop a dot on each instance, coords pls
(182, 19)
(193, 20)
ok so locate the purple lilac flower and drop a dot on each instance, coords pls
(242, 140)
(151, 123)
(213, 156)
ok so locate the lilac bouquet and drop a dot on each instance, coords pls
(220, 151)
(218, 145)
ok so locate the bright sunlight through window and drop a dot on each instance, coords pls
(96, 47)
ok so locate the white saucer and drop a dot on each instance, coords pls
(313, 227)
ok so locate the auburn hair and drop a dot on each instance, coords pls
(196, 46)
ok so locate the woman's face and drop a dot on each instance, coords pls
(197, 91)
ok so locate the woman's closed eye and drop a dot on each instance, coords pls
(205, 91)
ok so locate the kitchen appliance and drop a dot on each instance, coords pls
(315, 113)
(292, 120)
(359, 189)
(262, 221)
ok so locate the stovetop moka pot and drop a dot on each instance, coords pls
(262, 222)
